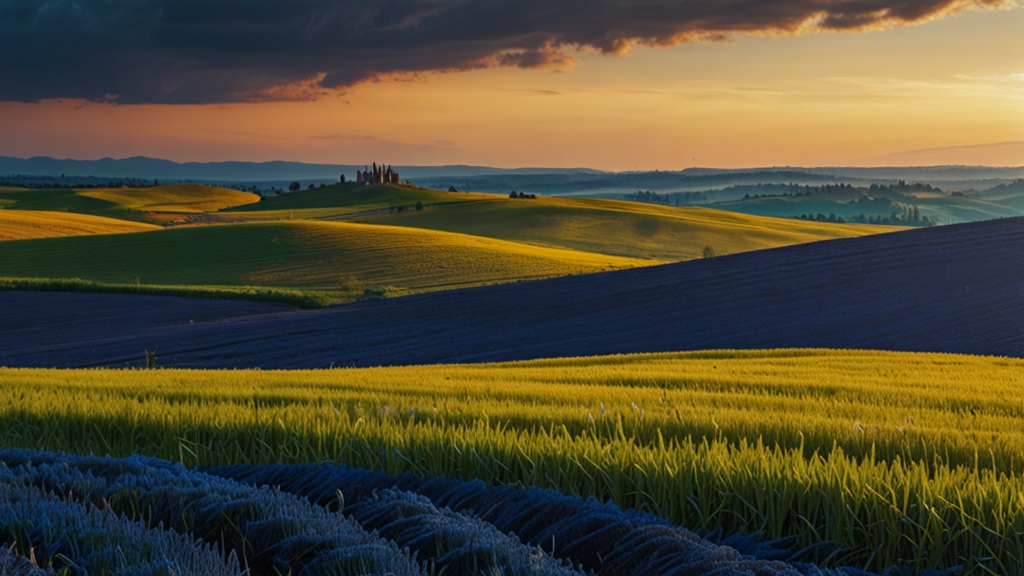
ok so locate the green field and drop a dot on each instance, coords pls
(296, 254)
(177, 198)
(620, 228)
(133, 204)
(853, 202)
(25, 224)
(343, 199)
(898, 457)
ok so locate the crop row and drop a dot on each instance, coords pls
(598, 537)
(50, 509)
(269, 531)
(62, 535)
(896, 458)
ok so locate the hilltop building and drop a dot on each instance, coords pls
(378, 175)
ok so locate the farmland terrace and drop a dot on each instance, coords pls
(954, 289)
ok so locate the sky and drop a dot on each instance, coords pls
(608, 84)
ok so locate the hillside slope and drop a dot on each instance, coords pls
(854, 203)
(67, 200)
(300, 254)
(25, 224)
(628, 229)
(126, 203)
(183, 198)
(947, 289)
(343, 199)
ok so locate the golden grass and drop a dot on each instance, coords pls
(628, 229)
(183, 198)
(340, 200)
(299, 254)
(25, 224)
(898, 457)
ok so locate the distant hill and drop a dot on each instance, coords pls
(150, 168)
(704, 179)
(341, 199)
(946, 289)
(628, 229)
(489, 179)
(1011, 194)
(900, 204)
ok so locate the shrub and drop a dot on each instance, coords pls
(351, 284)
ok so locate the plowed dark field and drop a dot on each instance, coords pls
(947, 289)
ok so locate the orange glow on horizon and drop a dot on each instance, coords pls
(836, 99)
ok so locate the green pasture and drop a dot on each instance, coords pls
(296, 254)
(620, 228)
(66, 200)
(175, 198)
(343, 199)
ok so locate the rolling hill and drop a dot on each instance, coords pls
(133, 204)
(179, 198)
(628, 229)
(344, 199)
(851, 203)
(302, 254)
(26, 224)
(67, 200)
(942, 289)
(1011, 194)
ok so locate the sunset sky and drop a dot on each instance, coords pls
(607, 84)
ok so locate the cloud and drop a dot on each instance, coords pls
(996, 154)
(217, 51)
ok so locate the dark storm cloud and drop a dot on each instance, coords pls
(191, 51)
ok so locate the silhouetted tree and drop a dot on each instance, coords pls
(419, 205)
(452, 189)
(709, 252)
(513, 195)
(294, 186)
